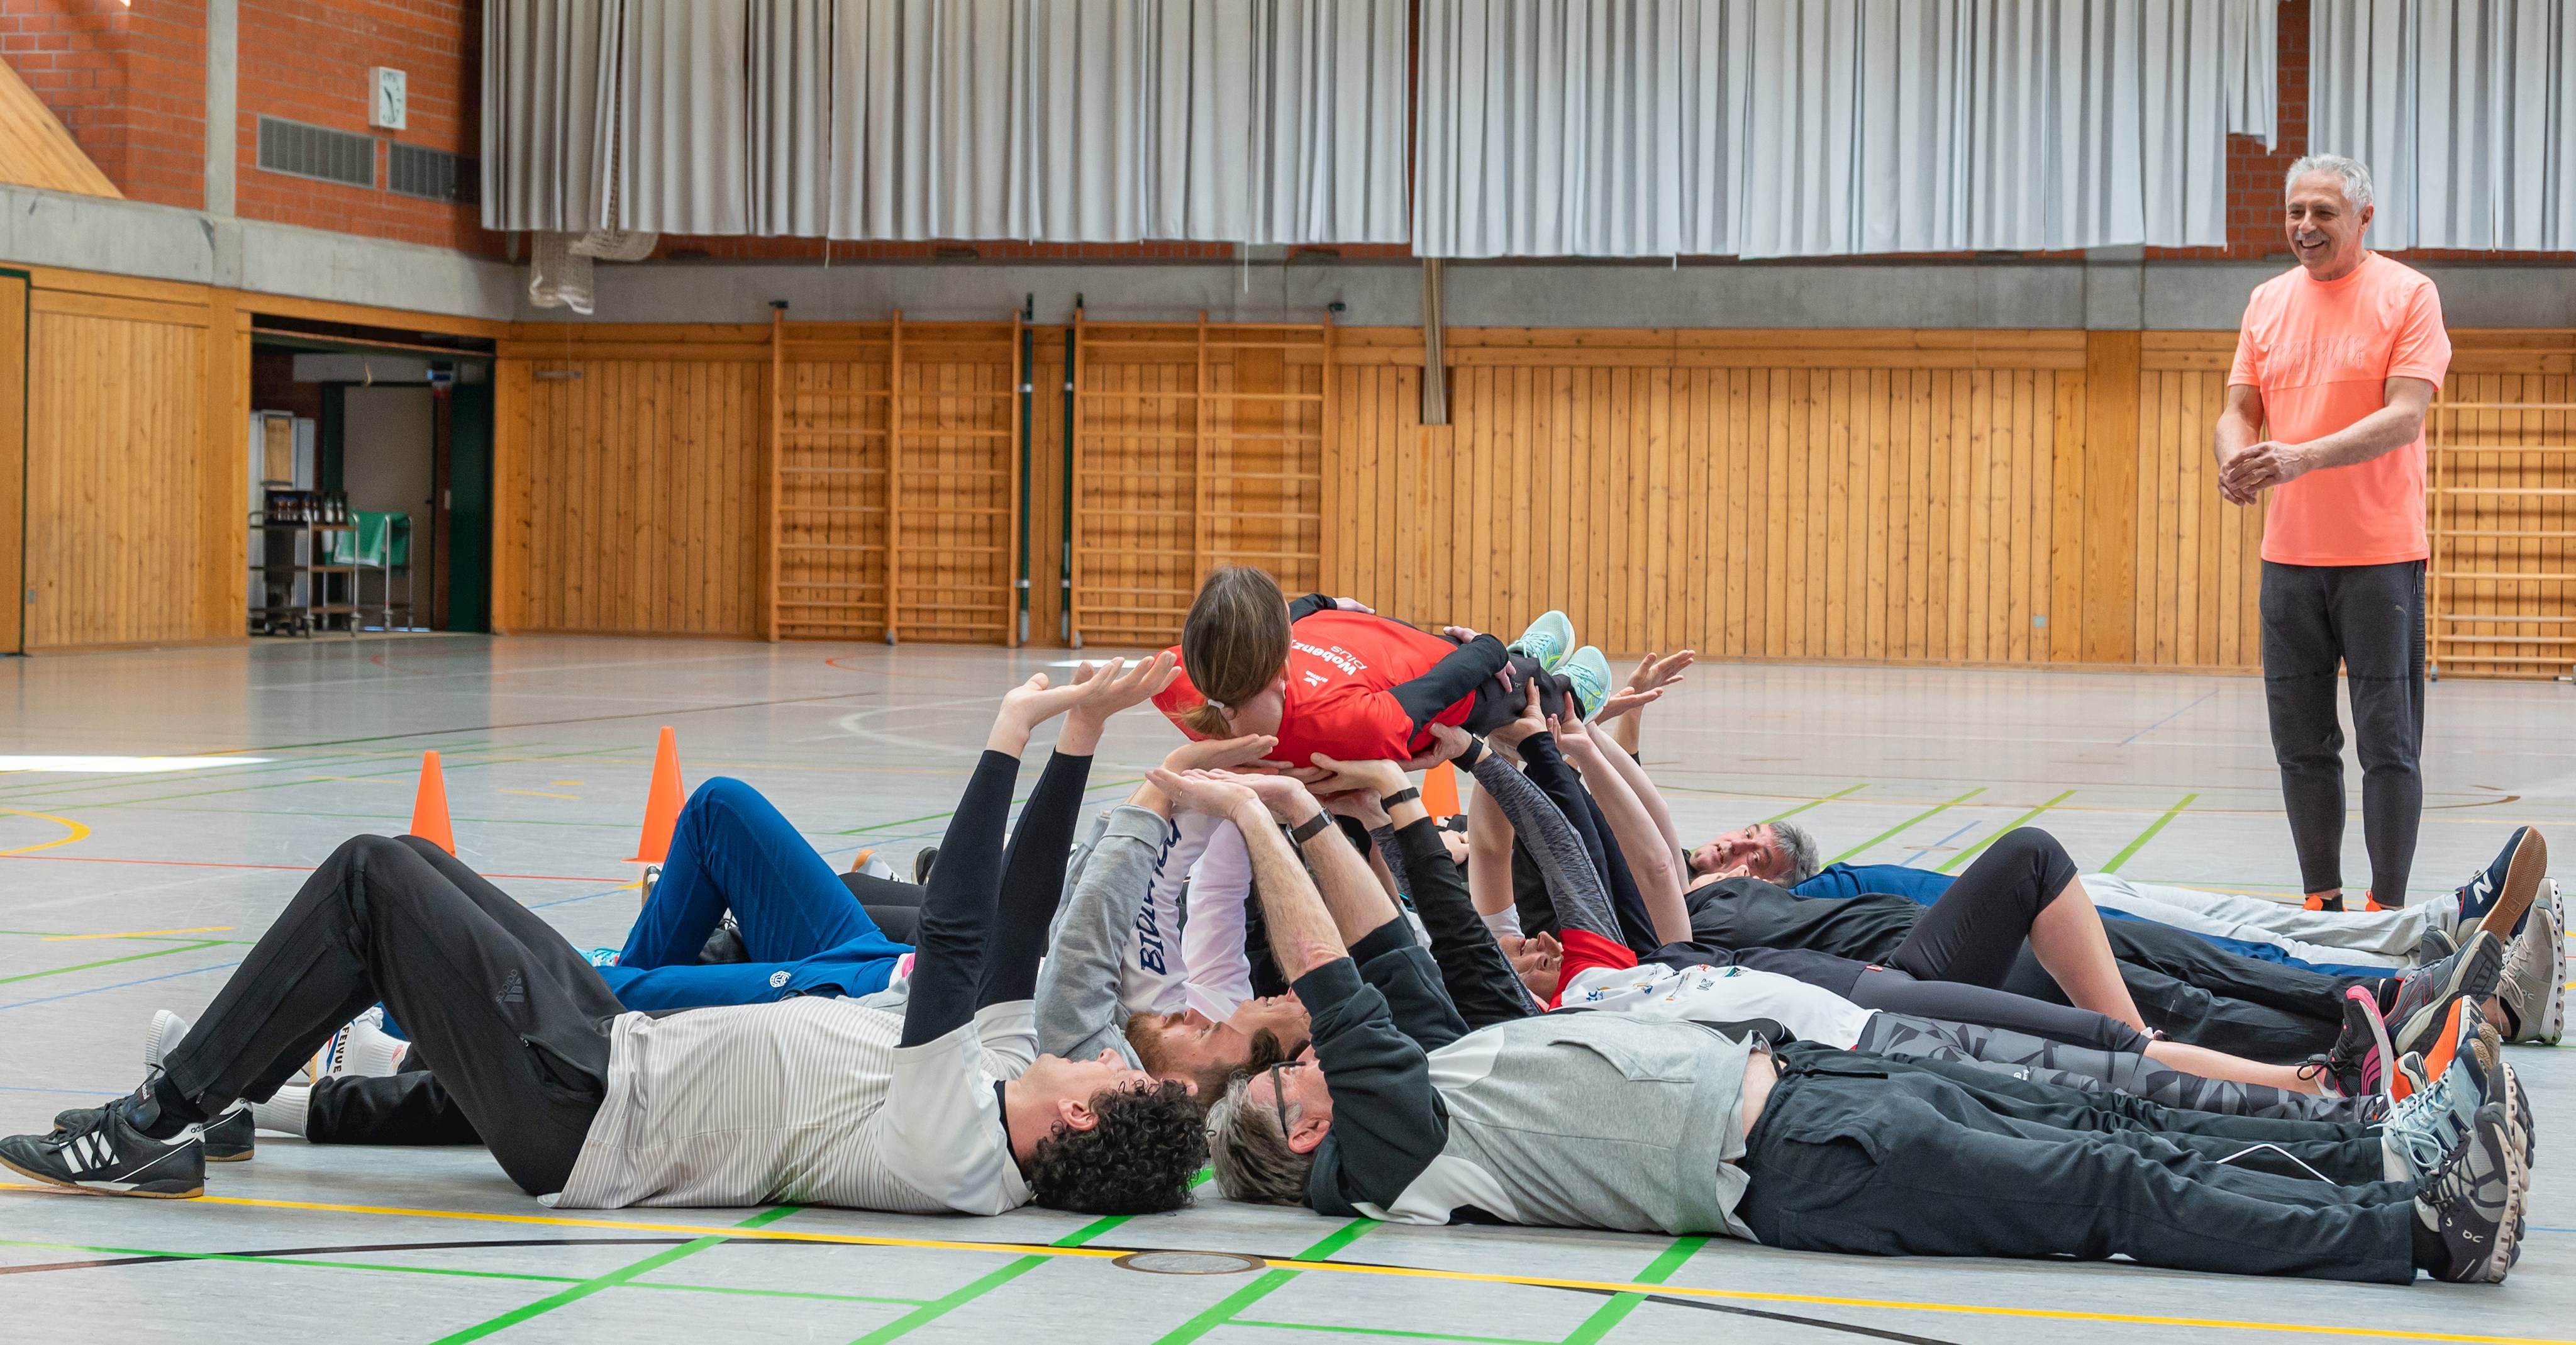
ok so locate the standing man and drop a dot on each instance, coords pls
(2338, 361)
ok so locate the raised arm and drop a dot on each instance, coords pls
(1654, 864)
(1644, 788)
(1572, 886)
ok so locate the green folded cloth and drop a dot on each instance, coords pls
(374, 539)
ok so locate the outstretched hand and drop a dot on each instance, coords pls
(1646, 685)
(1285, 799)
(1377, 777)
(1202, 792)
(1217, 753)
(1114, 687)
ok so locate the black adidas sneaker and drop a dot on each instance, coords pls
(104, 1155)
(230, 1138)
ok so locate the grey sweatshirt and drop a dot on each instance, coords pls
(1078, 1011)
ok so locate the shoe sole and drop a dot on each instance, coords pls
(81, 1188)
(2521, 882)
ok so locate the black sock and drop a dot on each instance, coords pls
(161, 1111)
(2431, 1253)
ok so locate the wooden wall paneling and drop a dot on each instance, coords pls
(14, 296)
(833, 411)
(223, 469)
(117, 494)
(2501, 474)
(513, 427)
(953, 479)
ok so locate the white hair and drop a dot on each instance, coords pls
(2355, 175)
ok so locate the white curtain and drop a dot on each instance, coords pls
(1767, 128)
(549, 97)
(1257, 121)
(2465, 111)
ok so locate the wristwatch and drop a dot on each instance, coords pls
(1311, 828)
(1405, 795)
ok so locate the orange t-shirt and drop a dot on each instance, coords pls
(2322, 352)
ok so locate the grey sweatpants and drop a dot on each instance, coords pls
(2022, 1056)
(2369, 620)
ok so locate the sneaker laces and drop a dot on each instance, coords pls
(2426, 1127)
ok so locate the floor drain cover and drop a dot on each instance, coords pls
(1189, 1263)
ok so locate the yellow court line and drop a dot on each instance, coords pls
(133, 934)
(1408, 1272)
(78, 832)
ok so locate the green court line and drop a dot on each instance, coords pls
(1607, 1317)
(1222, 1311)
(315, 1263)
(611, 1280)
(2149, 834)
(1934, 811)
(1964, 856)
(940, 1307)
(409, 767)
(1814, 803)
(112, 961)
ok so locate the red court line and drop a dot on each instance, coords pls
(289, 868)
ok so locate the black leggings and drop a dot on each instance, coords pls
(514, 1019)
(1973, 933)
(1892, 991)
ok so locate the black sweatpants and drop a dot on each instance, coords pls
(2369, 619)
(408, 1107)
(1973, 933)
(2196, 992)
(514, 1020)
(1852, 1156)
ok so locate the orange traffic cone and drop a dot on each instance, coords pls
(1440, 791)
(662, 802)
(429, 806)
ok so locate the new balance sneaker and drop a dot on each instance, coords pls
(2358, 1063)
(1550, 640)
(1588, 674)
(105, 1155)
(2479, 895)
(2474, 1202)
(2533, 989)
(2424, 996)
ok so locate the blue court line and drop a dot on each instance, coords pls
(75, 994)
(77, 1092)
(2164, 721)
(1909, 859)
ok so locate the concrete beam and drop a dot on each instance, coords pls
(155, 242)
(223, 70)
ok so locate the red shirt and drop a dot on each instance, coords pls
(1342, 669)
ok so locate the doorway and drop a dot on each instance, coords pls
(402, 444)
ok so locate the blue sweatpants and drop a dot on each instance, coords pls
(804, 931)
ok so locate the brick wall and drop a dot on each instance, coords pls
(129, 83)
(307, 61)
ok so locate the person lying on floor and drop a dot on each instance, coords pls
(1814, 995)
(1606, 1120)
(2188, 989)
(810, 1100)
(2351, 943)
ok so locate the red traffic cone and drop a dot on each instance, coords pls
(661, 802)
(429, 806)
(1440, 791)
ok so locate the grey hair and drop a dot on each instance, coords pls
(1801, 849)
(1250, 1153)
(2355, 175)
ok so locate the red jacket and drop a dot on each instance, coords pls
(1363, 687)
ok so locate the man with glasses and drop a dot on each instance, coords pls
(1598, 1120)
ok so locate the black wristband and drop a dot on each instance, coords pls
(1405, 795)
(1476, 750)
(1311, 828)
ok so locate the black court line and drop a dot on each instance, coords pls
(1846, 1328)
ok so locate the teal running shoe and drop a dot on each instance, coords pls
(1550, 640)
(1589, 673)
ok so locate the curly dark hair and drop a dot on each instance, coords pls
(1138, 1160)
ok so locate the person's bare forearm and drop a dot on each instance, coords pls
(1628, 730)
(1302, 932)
(1489, 855)
(2235, 430)
(1641, 783)
(1650, 861)
(2383, 431)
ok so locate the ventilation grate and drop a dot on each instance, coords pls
(317, 152)
(432, 174)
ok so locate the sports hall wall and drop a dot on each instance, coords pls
(1908, 496)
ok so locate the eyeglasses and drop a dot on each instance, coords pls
(1279, 1094)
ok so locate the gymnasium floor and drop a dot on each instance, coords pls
(122, 893)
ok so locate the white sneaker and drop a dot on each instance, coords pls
(167, 1029)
